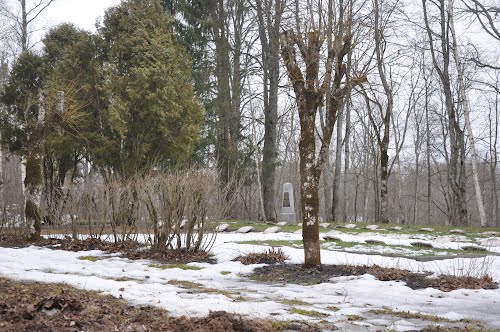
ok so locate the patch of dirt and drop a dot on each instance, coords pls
(294, 273)
(75, 245)
(14, 239)
(27, 307)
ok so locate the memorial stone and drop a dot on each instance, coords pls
(288, 214)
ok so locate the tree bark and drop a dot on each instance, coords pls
(226, 142)
(269, 26)
(465, 104)
(309, 96)
(309, 193)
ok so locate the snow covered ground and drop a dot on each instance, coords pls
(223, 286)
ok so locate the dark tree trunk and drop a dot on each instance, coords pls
(441, 63)
(224, 107)
(33, 187)
(309, 193)
(269, 26)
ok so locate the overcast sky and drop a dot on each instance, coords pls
(82, 13)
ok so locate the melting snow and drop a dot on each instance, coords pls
(141, 284)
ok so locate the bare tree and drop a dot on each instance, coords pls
(466, 111)
(23, 17)
(441, 52)
(310, 36)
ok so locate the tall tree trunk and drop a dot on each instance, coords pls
(33, 180)
(465, 104)
(269, 26)
(309, 194)
(384, 140)
(24, 26)
(337, 170)
(226, 145)
(495, 220)
(456, 169)
(347, 157)
(428, 152)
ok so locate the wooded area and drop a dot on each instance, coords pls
(382, 110)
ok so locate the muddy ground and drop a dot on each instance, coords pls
(56, 307)
(38, 307)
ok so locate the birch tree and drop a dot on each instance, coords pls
(466, 111)
(22, 18)
(441, 52)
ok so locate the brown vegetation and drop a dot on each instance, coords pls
(40, 307)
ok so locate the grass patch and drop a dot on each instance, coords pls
(418, 251)
(225, 273)
(410, 315)
(274, 243)
(294, 302)
(309, 313)
(185, 284)
(123, 279)
(353, 318)
(195, 287)
(342, 244)
(175, 266)
(89, 258)
(414, 229)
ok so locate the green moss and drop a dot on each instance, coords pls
(89, 258)
(198, 288)
(185, 284)
(274, 243)
(294, 302)
(175, 266)
(123, 279)
(409, 315)
(309, 313)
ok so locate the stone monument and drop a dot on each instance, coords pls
(288, 214)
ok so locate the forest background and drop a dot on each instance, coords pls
(400, 99)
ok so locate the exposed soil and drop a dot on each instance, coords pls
(13, 239)
(57, 307)
(295, 274)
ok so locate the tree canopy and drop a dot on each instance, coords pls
(129, 98)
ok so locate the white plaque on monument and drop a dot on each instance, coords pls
(288, 214)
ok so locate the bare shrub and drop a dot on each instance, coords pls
(181, 207)
(178, 208)
(271, 256)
